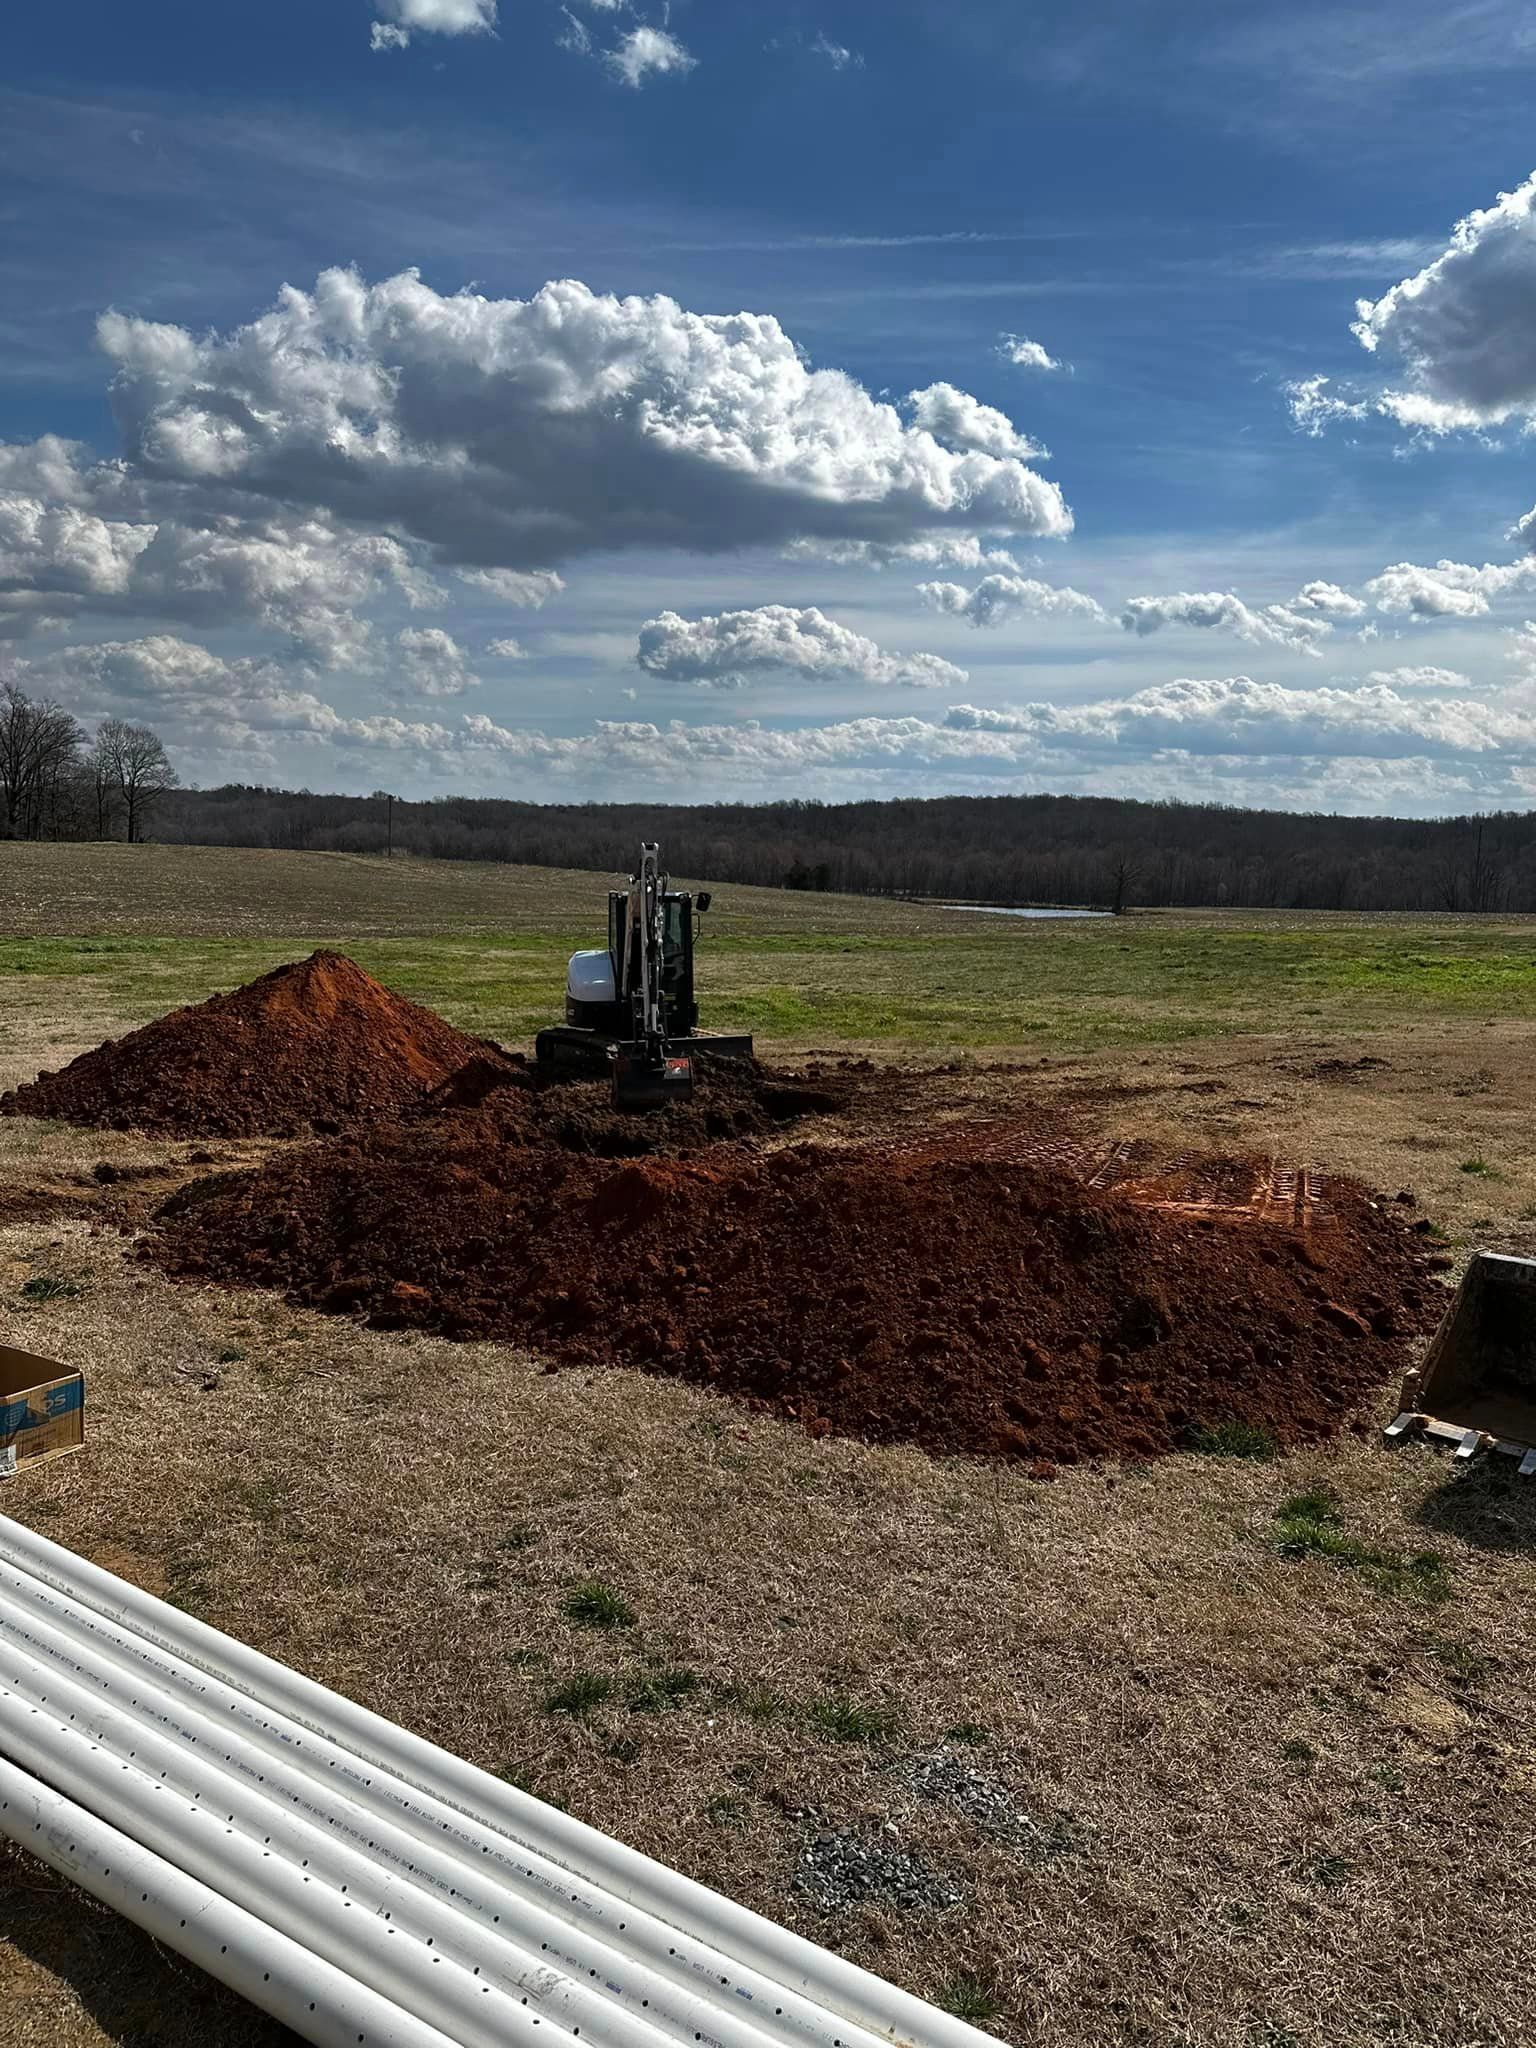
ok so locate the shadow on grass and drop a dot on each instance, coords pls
(139, 1994)
(1486, 1504)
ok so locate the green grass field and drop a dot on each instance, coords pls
(131, 932)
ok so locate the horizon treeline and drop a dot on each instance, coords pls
(1105, 851)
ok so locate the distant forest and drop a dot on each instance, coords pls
(978, 849)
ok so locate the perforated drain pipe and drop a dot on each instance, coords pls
(463, 1908)
(319, 2003)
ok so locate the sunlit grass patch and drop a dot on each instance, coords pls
(1309, 1525)
(595, 1605)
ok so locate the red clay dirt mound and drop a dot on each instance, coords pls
(308, 1048)
(968, 1305)
(513, 1105)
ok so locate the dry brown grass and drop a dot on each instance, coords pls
(1290, 1807)
(244, 892)
(404, 1520)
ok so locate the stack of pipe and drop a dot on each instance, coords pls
(362, 1886)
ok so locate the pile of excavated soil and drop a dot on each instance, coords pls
(308, 1048)
(505, 1101)
(965, 1304)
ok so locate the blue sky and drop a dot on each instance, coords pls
(475, 531)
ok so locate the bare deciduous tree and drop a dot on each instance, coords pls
(1122, 879)
(139, 769)
(39, 745)
(102, 770)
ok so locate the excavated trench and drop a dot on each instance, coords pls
(1003, 1288)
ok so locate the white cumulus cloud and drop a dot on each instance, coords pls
(1025, 354)
(517, 434)
(725, 649)
(198, 698)
(927, 550)
(78, 539)
(404, 18)
(1448, 590)
(432, 663)
(1424, 677)
(1328, 601)
(528, 588)
(648, 52)
(1373, 747)
(1274, 624)
(1000, 597)
(960, 421)
(1464, 327)
(1238, 715)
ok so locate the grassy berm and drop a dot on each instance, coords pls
(1219, 1744)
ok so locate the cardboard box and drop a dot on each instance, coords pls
(42, 1410)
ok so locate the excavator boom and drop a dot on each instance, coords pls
(647, 1074)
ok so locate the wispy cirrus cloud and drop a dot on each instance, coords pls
(838, 55)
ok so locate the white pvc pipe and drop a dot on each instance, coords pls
(317, 1883)
(698, 1913)
(632, 1958)
(317, 2002)
(199, 1840)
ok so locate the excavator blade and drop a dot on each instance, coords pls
(1477, 1385)
(643, 1082)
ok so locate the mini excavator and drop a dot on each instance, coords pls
(630, 1009)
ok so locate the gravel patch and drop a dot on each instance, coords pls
(848, 1867)
(943, 1776)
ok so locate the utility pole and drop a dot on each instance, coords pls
(389, 827)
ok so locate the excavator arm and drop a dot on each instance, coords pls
(647, 1073)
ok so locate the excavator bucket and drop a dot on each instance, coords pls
(642, 1082)
(1477, 1385)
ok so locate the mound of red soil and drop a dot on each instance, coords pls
(308, 1048)
(513, 1104)
(969, 1305)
